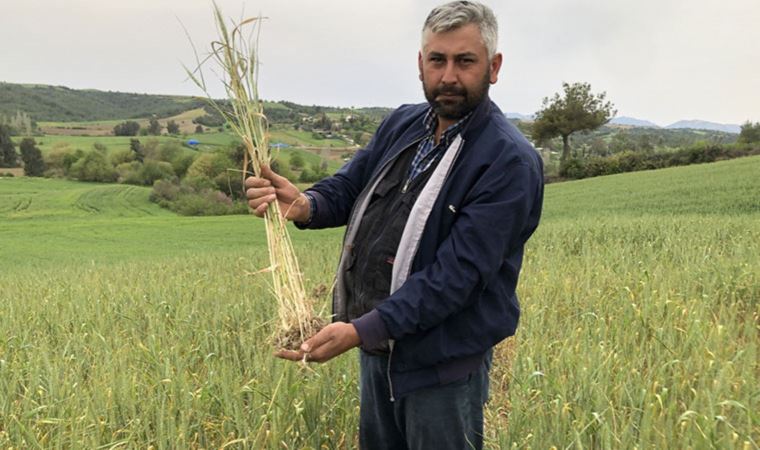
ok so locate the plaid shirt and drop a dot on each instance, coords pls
(427, 151)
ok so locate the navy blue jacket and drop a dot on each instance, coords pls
(459, 299)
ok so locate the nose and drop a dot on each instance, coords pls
(449, 73)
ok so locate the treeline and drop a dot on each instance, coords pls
(609, 140)
(647, 153)
(632, 161)
(183, 180)
(132, 128)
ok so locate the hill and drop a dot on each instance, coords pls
(704, 125)
(61, 104)
(633, 122)
(66, 214)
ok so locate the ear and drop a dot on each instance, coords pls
(495, 66)
(419, 63)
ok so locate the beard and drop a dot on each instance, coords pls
(462, 102)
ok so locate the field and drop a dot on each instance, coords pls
(124, 326)
(314, 151)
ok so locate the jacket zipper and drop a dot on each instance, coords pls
(388, 369)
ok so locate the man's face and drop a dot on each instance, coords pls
(455, 71)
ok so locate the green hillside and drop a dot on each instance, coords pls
(61, 104)
(129, 327)
(46, 103)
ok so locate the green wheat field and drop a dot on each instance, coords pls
(125, 326)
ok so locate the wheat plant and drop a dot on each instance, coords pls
(235, 53)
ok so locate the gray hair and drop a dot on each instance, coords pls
(459, 13)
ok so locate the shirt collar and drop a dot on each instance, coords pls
(431, 121)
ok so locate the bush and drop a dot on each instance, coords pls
(282, 169)
(573, 168)
(164, 191)
(128, 128)
(231, 183)
(146, 173)
(153, 171)
(198, 183)
(629, 161)
(209, 165)
(296, 161)
(129, 172)
(186, 200)
(168, 152)
(121, 156)
(93, 166)
(182, 163)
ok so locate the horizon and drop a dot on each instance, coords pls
(509, 114)
(312, 55)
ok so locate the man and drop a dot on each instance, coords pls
(438, 207)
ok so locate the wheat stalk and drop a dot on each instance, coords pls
(236, 54)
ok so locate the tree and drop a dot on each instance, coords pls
(128, 128)
(750, 133)
(8, 156)
(576, 110)
(296, 161)
(172, 127)
(34, 166)
(137, 148)
(154, 128)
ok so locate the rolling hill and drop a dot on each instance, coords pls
(61, 104)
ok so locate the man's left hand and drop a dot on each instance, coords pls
(330, 342)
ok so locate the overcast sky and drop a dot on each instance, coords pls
(661, 60)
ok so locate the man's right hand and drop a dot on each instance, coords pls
(261, 191)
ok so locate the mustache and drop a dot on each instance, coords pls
(449, 90)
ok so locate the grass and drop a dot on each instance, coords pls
(124, 325)
(289, 136)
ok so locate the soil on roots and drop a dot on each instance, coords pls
(292, 339)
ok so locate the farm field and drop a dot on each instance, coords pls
(314, 151)
(125, 326)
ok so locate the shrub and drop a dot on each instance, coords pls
(296, 161)
(93, 166)
(186, 200)
(129, 172)
(146, 173)
(128, 128)
(209, 165)
(156, 170)
(198, 183)
(164, 191)
(59, 159)
(182, 163)
(121, 156)
(573, 168)
(629, 161)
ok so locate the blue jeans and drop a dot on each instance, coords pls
(441, 417)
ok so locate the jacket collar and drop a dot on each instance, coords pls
(480, 117)
(413, 134)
